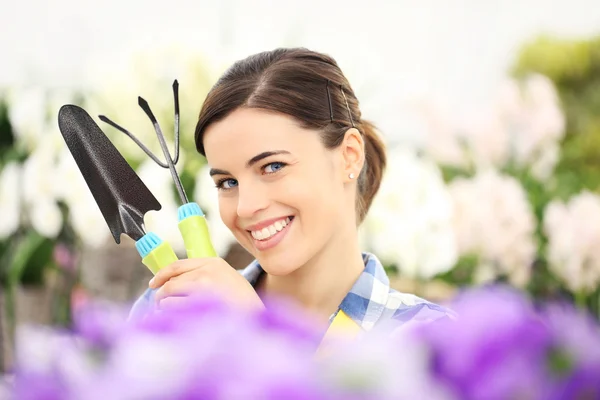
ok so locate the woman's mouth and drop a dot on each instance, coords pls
(271, 235)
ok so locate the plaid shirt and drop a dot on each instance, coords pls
(370, 301)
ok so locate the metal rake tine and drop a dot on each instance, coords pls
(176, 122)
(163, 145)
(136, 140)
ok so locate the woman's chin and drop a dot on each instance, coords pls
(279, 264)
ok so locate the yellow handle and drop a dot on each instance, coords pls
(160, 257)
(196, 238)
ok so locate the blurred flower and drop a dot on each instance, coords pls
(206, 195)
(410, 221)
(497, 349)
(40, 183)
(46, 218)
(524, 127)
(27, 115)
(575, 357)
(162, 222)
(500, 347)
(494, 220)
(84, 214)
(64, 257)
(442, 142)
(573, 231)
(202, 350)
(383, 367)
(534, 121)
(116, 85)
(10, 198)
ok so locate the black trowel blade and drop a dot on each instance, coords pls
(119, 192)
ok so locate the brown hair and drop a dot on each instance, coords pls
(294, 82)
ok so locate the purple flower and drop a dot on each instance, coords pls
(575, 353)
(495, 350)
(498, 348)
(204, 349)
(64, 257)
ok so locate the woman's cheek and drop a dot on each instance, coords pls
(227, 211)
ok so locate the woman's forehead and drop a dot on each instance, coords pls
(247, 131)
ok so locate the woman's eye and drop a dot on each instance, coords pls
(226, 184)
(273, 167)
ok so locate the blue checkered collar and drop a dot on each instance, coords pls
(371, 299)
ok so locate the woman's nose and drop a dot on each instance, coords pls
(251, 198)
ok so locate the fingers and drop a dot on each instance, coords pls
(170, 303)
(177, 288)
(175, 269)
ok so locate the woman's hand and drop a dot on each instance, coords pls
(193, 276)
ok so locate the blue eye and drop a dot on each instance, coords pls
(273, 167)
(226, 184)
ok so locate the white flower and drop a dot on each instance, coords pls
(150, 74)
(543, 166)
(494, 220)
(206, 195)
(88, 222)
(442, 142)
(84, 214)
(27, 115)
(573, 231)
(46, 218)
(40, 185)
(163, 222)
(410, 221)
(72, 186)
(525, 126)
(39, 179)
(10, 199)
(534, 121)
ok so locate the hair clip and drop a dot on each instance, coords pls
(347, 106)
(329, 99)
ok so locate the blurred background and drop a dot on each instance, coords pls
(491, 113)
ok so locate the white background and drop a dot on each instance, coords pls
(392, 51)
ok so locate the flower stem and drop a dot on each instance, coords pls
(580, 299)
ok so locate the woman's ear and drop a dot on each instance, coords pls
(353, 153)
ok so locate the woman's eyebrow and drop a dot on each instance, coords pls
(216, 171)
(251, 162)
(263, 155)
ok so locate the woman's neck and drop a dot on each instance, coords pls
(321, 284)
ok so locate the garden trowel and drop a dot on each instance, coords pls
(119, 192)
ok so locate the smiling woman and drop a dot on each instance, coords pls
(296, 167)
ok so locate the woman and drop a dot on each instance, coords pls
(296, 168)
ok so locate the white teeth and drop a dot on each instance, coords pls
(265, 233)
(271, 230)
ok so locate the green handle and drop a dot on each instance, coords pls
(160, 257)
(196, 238)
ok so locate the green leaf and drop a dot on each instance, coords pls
(6, 133)
(30, 258)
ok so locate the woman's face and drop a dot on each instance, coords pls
(280, 189)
